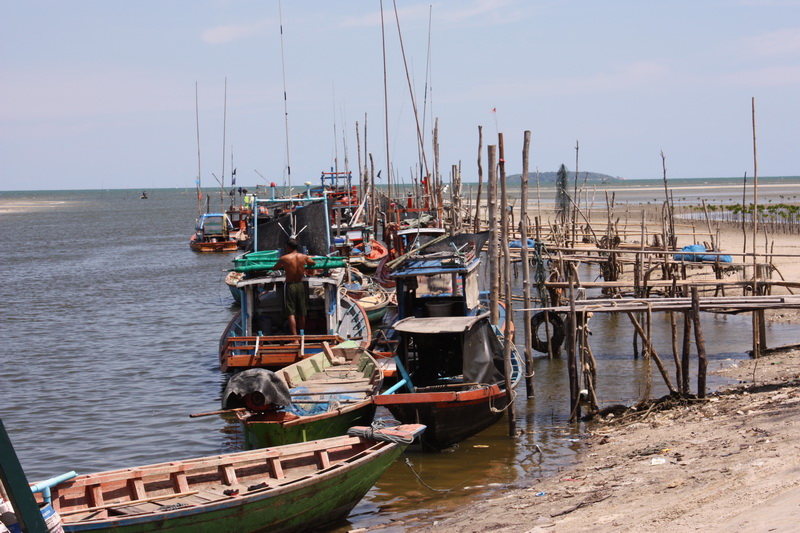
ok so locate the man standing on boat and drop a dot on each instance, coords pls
(294, 264)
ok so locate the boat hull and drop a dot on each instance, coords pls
(260, 432)
(186, 496)
(214, 247)
(450, 417)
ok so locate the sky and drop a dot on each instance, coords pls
(111, 94)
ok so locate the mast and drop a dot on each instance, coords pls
(285, 108)
(222, 181)
(197, 180)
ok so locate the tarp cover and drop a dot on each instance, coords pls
(255, 261)
(469, 347)
(699, 254)
(253, 380)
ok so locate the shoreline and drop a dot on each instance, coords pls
(725, 463)
(728, 463)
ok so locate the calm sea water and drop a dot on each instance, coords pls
(109, 331)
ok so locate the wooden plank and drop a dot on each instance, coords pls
(323, 459)
(179, 481)
(228, 474)
(95, 495)
(276, 467)
(136, 486)
(125, 503)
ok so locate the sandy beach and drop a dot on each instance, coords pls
(727, 463)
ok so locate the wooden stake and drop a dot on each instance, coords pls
(480, 181)
(526, 266)
(702, 363)
(494, 283)
(508, 337)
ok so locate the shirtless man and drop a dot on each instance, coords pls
(294, 264)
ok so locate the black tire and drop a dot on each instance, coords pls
(556, 332)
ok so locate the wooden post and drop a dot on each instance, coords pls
(480, 181)
(702, 363)
(572, 363)
(756, 330)
(494, 283)
(526, 267)
(649, 350)
(512, 422)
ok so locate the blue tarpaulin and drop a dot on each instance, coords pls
(518, 244)
(699, 254)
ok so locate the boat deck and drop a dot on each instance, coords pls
(196, 482)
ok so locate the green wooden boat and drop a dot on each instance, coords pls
(286, 488)
(319, 397)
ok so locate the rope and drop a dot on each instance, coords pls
(374, 433)
(411, 467)
(512, 396)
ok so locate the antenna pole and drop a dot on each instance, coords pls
(285, 105)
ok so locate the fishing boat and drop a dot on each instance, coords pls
(449, 354)
(231, 279)
(318, 397)
(366, 256)
(258, 337)
(214, 232)
(296, 487)
(455, 378)
(375, 299)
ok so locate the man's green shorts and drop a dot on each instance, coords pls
(296, 299)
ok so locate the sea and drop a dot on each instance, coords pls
(110, 328)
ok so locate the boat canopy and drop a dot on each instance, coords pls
(448, 346)
(211, 223)
(444, 324)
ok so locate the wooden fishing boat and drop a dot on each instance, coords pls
(286, 488)
(257, 336)
(367, 256)
(214, 232)
(449, 354)
(231, 279)
(455, 380)
(376, 302)
(315, 398)
(373, 297)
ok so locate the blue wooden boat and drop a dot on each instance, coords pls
(449, 354)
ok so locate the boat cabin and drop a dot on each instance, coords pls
(213, 226)
(443, 280)
(450, 350)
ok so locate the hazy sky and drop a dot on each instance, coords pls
(102, 93)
